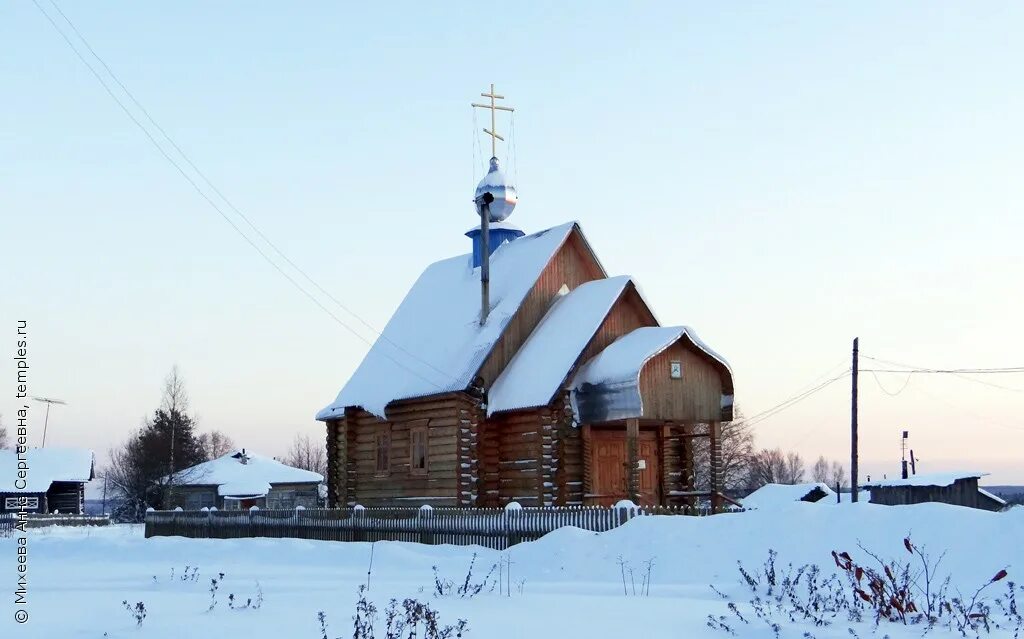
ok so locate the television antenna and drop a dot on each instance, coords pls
(46, 422)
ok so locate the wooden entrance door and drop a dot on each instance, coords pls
(608, 467)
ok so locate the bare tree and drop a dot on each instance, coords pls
(216, 444)
(822, 471)
(175, 397)
(794, 468)
(839, 476)
(3, 434)
(774, 466)
(307, 454)
(737, 451)
(155, 457)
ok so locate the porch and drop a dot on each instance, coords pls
(652, 463)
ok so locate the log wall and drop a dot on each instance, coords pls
(451, 433)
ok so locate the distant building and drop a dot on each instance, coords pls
(957, 488)
(240, 480)
(53, 481)
(776, 495)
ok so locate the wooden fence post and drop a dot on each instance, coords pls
(425, 524)
(632, 460)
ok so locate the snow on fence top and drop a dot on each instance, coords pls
(45, 466)
(930, 479)
(540, 366)
(250, 478)
(776, 495)
(434, 342)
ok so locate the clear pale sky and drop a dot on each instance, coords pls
(781, 177)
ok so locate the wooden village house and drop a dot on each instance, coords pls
(240, 480)
(522, 371)
(957, 488)
(47, 480)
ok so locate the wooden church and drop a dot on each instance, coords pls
(523, 372)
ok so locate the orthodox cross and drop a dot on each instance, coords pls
(493, 107)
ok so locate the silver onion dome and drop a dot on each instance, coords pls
(501, 190)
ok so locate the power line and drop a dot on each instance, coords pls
(884, 389)
(792, 401)
(217, 191)
(962, 373)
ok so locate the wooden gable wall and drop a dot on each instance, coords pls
(627, 314)
(573, 264)
(696, 397)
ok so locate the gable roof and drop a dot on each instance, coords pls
(45, 466)
(925, 479)
(251, 478)
(775, 495)
(434, 342)
(607, 387)
(540, 366)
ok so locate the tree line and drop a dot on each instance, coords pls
(745, 467)
(142, 469)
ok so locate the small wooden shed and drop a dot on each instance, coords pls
(570, 391)
(45, 480)
(957, 488)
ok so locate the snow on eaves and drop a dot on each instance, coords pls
(434, 342)
(607, 387)
(622, 360)
(929, 479)
(45, 466)
(776, 495)
(248, 488)
(993, 497)
(541, 365)
(251, 478)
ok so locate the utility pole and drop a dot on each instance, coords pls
(903, 463)
(853, 424)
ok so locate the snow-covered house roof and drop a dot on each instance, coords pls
(776, 495)
(434, 342)
(45, 466)
(541, 365)
(608, 386)
(243, 473)
(928, 479)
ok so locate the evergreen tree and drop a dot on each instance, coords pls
(148, 465)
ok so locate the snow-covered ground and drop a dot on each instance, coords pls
(571, 581)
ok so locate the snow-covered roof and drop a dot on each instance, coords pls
(930, 479)
(434, 342)
(609, 383)
(775, 495)
(247, 488)
(45, 466)
(542, 363)
(251, 478)
(993, 497)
